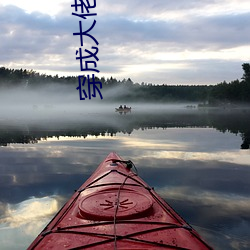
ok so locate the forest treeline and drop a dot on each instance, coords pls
(236, 91)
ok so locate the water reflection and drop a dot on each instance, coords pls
(20, 222)
(195, 166)
(106, 122)
(31, 210)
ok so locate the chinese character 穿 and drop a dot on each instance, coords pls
(91, 85)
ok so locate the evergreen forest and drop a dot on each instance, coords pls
(224, 93)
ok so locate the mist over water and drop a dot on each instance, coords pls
(58, 109)
(41, 102)
(61, 102)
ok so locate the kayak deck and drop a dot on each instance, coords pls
(116, 209)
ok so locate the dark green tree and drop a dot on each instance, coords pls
(246, 69)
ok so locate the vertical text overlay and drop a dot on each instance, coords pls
(88, 86)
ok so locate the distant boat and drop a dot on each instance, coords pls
(125, 110)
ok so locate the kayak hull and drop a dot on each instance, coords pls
(116, 209)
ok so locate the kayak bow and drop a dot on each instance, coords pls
(116, 209)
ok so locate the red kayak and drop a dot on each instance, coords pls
(116, 209)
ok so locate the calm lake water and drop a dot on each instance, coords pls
(197, 160)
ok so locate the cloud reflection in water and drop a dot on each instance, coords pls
(198, 171)
(21, 222)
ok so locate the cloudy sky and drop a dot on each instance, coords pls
(160, 41)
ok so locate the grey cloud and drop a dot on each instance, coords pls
(200, 32)
(223, 31)
(36, 35)
(29, 37)
(13, 16)
(125, 30)
(147, 8)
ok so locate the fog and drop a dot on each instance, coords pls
(28, 114)
(52, 103)
(61, 102)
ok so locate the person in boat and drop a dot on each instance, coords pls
(120, 107)
(125, 107)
